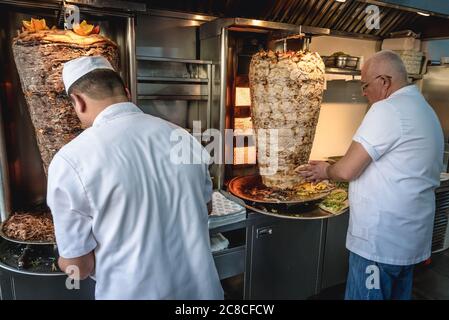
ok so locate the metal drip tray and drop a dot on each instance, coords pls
(299, 211)
(302, 212)
(29, 259)
(251, 189)
(4, 236)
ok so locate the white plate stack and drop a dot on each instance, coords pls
(225, 211)
(409, 48)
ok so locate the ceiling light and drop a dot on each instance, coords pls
(425, 14)
(340, 0)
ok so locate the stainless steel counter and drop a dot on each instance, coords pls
(283, 258)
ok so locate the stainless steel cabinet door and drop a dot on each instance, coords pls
(284, 259)
(336, 256)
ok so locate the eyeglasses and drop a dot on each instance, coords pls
(365, 85)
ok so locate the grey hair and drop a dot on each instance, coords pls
(391, 61)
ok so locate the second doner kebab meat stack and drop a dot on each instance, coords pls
(286, 94)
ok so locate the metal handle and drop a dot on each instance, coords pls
(209, 96)
(22, 260)
(264, 232)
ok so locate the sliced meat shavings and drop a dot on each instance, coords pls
(29, 227)
(286, 94)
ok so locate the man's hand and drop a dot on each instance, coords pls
(350, 167)
(85, 265)
(314, 171)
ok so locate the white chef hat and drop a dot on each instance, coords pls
(76, 68)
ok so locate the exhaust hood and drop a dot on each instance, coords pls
(342, 18)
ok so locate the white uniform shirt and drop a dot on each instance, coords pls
(392, 203)
(114, 189)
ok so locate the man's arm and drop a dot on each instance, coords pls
(347, 169)
(68, 201)
(85, 265)
(209, 207)
(352, 165)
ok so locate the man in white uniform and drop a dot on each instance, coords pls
(393, 166)
(123, 211)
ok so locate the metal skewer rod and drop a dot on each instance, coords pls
(296, 36)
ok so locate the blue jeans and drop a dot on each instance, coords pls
(369, 280)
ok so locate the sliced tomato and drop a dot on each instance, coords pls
(96, 30)
(35, 25)
(28, 25)
(39, 24)
(83, 29)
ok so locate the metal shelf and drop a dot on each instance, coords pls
(172, 80)
(230, 262)
(415, 76)
(173, 97)
(182, 81)
(229, 227)
(358, 73)
(343, 71)
(229, 250)
(148, 58)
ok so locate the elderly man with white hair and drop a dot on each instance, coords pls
(393, 166)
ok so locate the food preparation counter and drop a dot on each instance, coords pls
(274, 258)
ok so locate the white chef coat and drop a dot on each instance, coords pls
(392, 203)
(114, 189)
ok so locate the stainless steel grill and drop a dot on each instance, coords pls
(440, 239)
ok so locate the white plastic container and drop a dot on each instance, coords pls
(407, 43)
(412, 60)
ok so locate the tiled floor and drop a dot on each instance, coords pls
(431, 282)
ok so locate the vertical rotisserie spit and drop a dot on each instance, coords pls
(39, 54)
(39, 57)
(286, 93)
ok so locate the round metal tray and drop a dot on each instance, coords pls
(311, 213)
(240, 187)
(31, 273)
(303, 211)
(4, 236)
(37, 261)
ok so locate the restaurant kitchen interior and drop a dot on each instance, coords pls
(187, 61)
